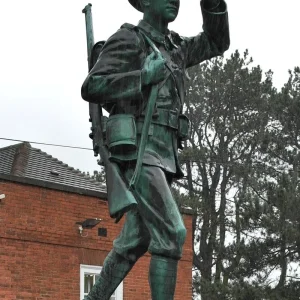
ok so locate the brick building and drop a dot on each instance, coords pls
(43, 255)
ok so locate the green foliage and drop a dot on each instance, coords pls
(242, 165)
(100, 176)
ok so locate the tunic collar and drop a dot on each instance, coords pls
(157, 36)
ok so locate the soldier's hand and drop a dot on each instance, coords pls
(154, 70)
(210, 4)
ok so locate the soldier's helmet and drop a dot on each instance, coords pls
(136, 4)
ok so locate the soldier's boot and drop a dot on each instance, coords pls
(162, 277)
(115, 269)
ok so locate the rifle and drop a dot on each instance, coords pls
(120, 198)
(95, 110)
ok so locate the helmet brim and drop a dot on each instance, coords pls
(136, 4)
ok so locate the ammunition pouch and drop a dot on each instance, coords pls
(121, 134)
(171, 119)
(139, 127)
(121, 130)
(166, 117)
(183, 127)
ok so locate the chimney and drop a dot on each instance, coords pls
(20, 160)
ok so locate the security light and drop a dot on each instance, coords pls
(89, 223)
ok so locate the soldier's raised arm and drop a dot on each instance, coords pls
(214, 40)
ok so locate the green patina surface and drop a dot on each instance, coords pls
(139, 69)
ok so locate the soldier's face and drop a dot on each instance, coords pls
(165, 9)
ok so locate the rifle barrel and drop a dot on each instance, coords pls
(89, 32)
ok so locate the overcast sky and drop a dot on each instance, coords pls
(43, 60)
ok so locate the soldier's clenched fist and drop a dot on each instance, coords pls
(154, 70)
(210, 4)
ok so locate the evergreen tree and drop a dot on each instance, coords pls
(228, 105)
(279, 187)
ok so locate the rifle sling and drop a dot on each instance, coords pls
(148, 116)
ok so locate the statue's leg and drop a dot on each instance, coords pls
(115, 269)
(160, 214)
(131, 244)
(162, 277)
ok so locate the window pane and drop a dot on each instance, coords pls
(88, 282)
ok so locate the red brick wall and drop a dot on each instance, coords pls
(41, 249)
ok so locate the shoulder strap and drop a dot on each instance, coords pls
(138, 34)
(151, 44)
(128, 26)
(176, 37)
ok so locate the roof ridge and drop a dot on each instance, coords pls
(16, 146)
(72, 169)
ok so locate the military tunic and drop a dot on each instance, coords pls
(115, 83)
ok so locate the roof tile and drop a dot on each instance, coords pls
(39, 166)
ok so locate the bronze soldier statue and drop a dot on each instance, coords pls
(142, 69)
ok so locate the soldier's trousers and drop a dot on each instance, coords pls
(156, 225)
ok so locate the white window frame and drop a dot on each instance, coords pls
(96, 270)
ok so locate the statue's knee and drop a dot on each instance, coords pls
(135, 254)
